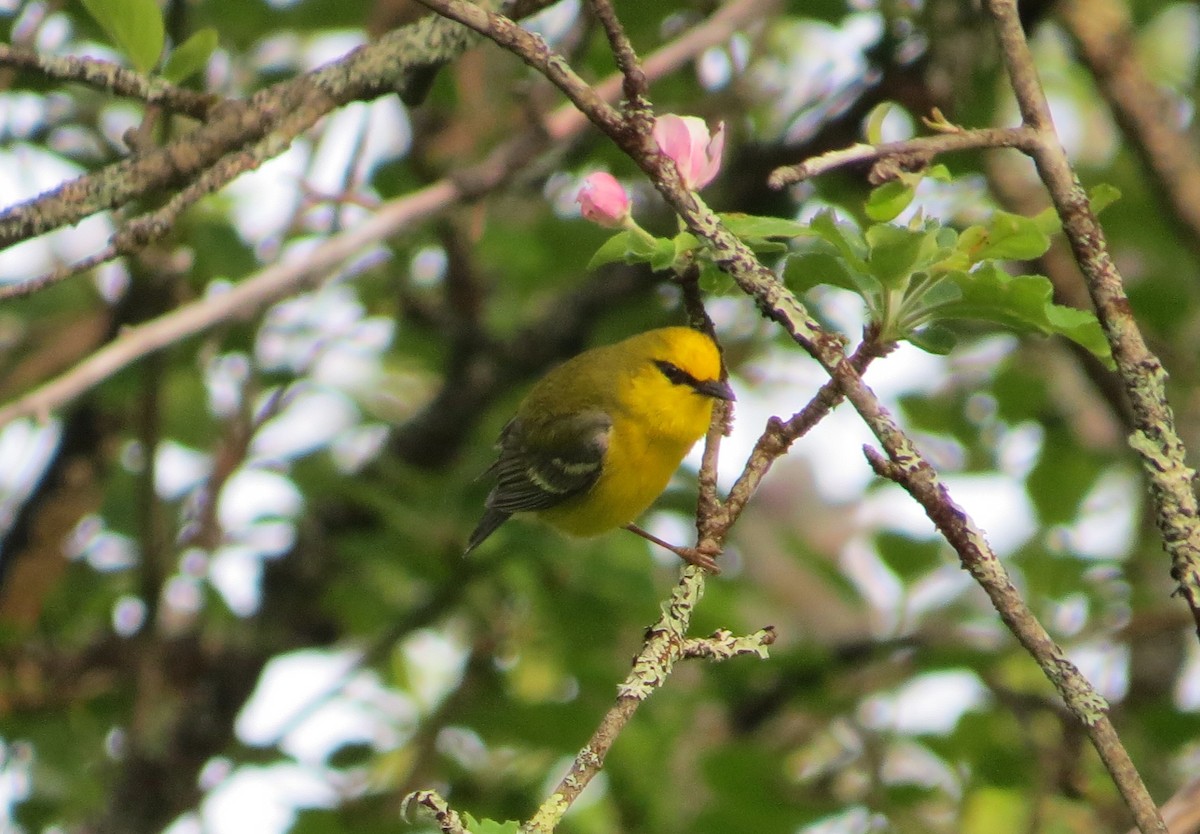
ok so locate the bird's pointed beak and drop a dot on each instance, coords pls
(717, 389)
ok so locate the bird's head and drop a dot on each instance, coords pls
(677, 380)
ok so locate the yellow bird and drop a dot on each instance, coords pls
(597, 438)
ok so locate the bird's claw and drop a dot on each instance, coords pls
(702, 557)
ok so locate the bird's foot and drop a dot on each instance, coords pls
(702, 557)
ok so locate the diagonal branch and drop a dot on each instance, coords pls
(924, 146)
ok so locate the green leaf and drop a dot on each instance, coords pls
(135, 27)
(191, 56)
(805, 270)
(888, 200)
(910, 558)
(1022, 303)
(629, 247)
(486, 826)
(713, 280)
(662, 256)
(844, 238)
(874, 126)
(685, 242)
(1102, 196)
(940, 173)
(895, 252)
(747, 227)
(933, 339)
(994, 810)
(940, 293)
(612, 250)
(1062, 478)
(1047, 221)
(1012, 237)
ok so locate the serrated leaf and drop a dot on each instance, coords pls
(191, 56)
(895, 253)
(748, 227)
(845, 239)
(135, 27)
(887, 201)
(1023, 303)
(805, 270)
(1011, 237)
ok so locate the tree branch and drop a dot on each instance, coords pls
(110, 78)
(923, 146)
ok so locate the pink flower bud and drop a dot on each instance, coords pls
(602, 200)
(686, 140)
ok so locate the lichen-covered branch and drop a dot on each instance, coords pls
(666, 642)
(924, 147)
(111, 78)
(1155, 439)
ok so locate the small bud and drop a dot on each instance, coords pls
(696, 153)
(603, 200)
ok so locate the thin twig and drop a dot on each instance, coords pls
(58, 275)
(274, 115)
(919, 479)
(633, 79)
(666, 642)
(107, 76)
(779, 435)
(925, 146)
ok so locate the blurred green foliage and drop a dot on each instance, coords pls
(119, 700)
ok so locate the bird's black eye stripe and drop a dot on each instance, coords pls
(677, 375)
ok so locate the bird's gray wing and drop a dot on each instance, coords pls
(563, 461)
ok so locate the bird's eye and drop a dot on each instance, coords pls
(677, 375)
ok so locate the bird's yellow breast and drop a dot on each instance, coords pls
(644, 450)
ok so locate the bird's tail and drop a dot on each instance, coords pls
(487, 525)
